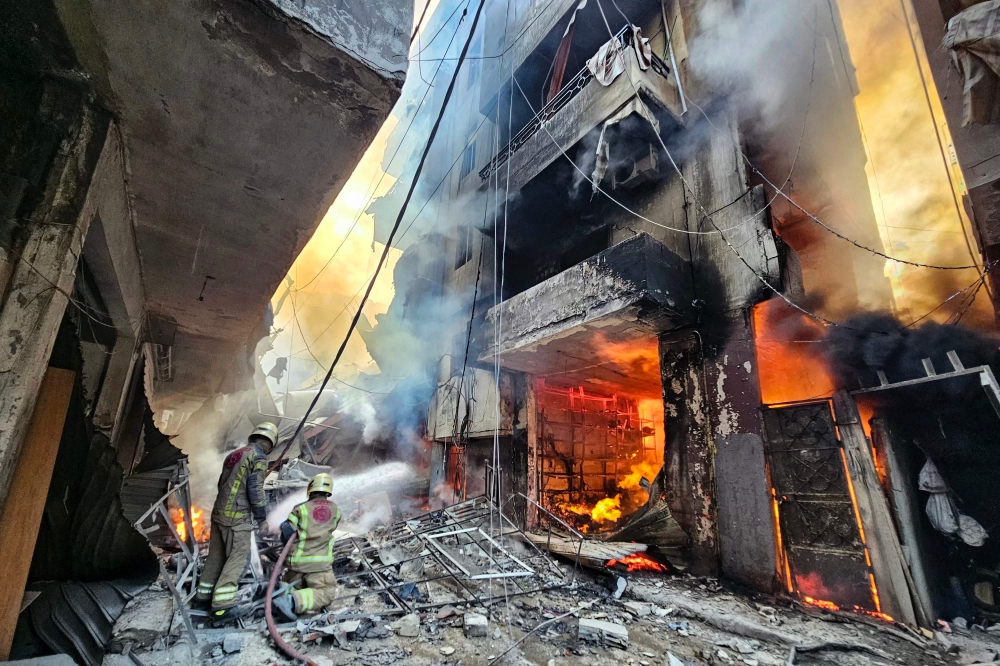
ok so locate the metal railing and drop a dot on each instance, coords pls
(569, 90)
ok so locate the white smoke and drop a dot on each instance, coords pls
(755, 48)
(386, 478)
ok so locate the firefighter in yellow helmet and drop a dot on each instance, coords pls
(310, 563)
(239, 503)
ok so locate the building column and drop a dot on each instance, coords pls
(688, 452)
(43, 278)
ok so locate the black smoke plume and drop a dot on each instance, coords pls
(866, 343)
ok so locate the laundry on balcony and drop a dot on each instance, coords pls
(609, 61)
(973, 37)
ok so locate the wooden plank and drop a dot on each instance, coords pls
(906, 505)
(22, 512)
(879, 532)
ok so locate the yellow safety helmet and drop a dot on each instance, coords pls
(268, 431)
(321, 483)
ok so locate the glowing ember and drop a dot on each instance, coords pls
(201, 528)
(819, 603)
(638, 562)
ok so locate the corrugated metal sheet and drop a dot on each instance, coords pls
(75, 618)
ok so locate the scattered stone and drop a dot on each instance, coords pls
(662, 612)
(750, 661)
(476, 625)
(216, 652)
(407, 626)
(724, 656)
(739, 645)
(620, 585)
(447, 650)
(960, 622)
(673, 661)
(637, 608)
(232, 643)
(769, 612)
(605, 633)
(446, 611)
(496, 634)
(975, 657)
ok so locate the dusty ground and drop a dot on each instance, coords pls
(697, 621)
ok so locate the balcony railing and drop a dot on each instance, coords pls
(569, 90)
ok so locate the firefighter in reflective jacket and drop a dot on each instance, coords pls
(239, 503)
(310, 563)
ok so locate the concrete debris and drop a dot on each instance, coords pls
(604, 633)
(739, 645)
(637, 608)
(497, 634)
(620, 585)
(673, 661)
(407, 626)
(476, 625)
(232, 643)
(447, 650)
(445, 612)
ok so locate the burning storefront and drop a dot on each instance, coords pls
(656, 345)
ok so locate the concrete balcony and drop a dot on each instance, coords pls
(582, 106)
(634, 290)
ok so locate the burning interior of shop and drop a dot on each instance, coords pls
(600, 444)
(912, 510)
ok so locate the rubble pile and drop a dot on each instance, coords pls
(663, 620)
(464, 586)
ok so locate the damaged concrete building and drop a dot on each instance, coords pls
(162, 166)
(632, 239)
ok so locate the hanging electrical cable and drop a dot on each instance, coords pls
(392, 234)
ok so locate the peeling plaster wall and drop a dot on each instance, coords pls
(688, 452)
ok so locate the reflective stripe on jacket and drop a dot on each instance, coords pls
(314, 522)
(241, 487)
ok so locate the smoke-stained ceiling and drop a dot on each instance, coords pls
(240, 127)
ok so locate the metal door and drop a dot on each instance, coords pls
(825, 555)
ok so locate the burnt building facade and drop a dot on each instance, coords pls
(632, 236)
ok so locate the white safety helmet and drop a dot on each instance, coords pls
(268, 431)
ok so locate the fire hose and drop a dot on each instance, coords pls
(278, 640)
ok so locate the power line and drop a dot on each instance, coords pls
(743, 260)
(395, 228)
(383, 172)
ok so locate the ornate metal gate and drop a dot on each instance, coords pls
(825, 557)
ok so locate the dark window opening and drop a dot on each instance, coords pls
(592, 245)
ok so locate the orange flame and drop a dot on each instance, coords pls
(637, 562)
(820, 603)
(606, 510)
(201, 529)
(788, 368)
